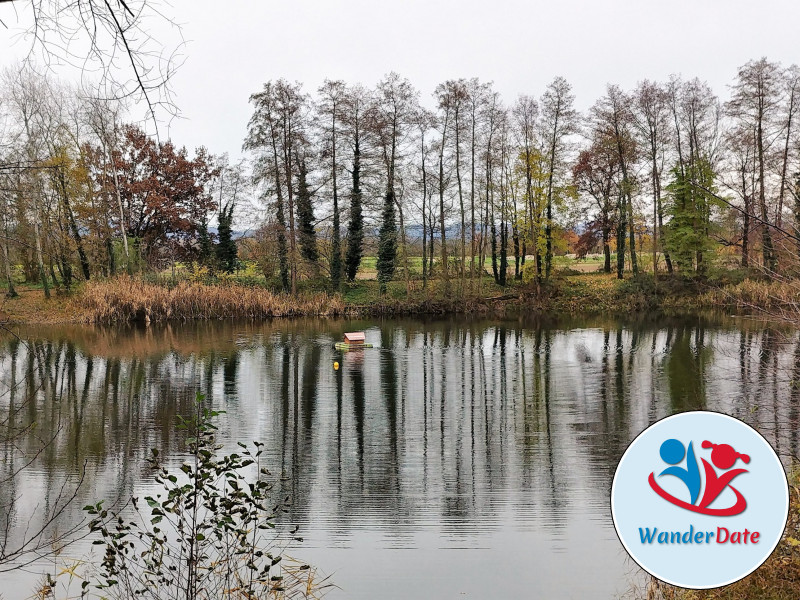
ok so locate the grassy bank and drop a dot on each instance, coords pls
(127, 299)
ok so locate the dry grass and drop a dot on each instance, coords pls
(297, 580)
(126, 299)
(750, 294)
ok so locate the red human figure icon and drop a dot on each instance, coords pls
(724, 457)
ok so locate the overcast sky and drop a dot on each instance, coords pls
(234, 46)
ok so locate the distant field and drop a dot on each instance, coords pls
(590, 264)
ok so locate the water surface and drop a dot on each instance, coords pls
(459, 458)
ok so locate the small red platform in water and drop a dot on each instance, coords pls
(354, 338)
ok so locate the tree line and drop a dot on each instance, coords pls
(665, 177)
(85, 193)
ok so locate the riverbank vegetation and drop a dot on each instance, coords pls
(439, 204)
(126, 299)
(206, 531)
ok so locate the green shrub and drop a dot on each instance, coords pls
(208, 533)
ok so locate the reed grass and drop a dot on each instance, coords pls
(751, 294)
(127, 299)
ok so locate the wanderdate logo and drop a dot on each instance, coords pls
(699, 499)
(723, 457)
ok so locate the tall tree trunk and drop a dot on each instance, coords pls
(606, 240)
(431, 239)
(287, 153)
(746, 230)
(766, 237)
(38, 237)
(73, 226)
(283, 259)
(797, 213)
(622, 226)
(634, 261)
(460, 200)
(667, 258)
(488, 206)
(548, 227)
(524, 253)
(656, 202)
(625, 209)
(122, 229)
(532, 227)
(785, 161)
(424, 230)
(445, 269)
(472, 200)
(11, 293)
(503, 251)
(405, 249)
(495, 271)
(336, 244)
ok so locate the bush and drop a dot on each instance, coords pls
(207, 534)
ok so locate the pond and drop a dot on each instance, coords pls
(458, 458)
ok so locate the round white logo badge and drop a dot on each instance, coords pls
(699, 500)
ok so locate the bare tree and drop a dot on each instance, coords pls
(446, 101)
(559, 119)
(25, 92)
(102, 117)
(330, 108)
(392, 118)
(755, 102)
(357, 100)
(424, 121)
(651, 112)
(524, 114)
(109, 39)
(454, 99)
(741, 177)
(612, 119)
(789, 125)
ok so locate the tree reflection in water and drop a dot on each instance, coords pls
(451, 434)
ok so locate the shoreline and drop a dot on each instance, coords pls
(131, 300)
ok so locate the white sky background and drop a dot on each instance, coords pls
(234, 46)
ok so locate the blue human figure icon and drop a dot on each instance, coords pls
(672, 453)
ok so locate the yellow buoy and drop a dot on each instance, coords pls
(335, 366)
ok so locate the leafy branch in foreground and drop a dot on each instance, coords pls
(207, 533)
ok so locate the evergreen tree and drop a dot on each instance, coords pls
(283, 246)
(226, 248)
(387, 242)
(687, 233)
(206, 245)
(334, 96)
(336, 245)
(305, 217)
(355, 228)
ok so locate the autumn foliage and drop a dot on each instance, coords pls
(165, 193)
